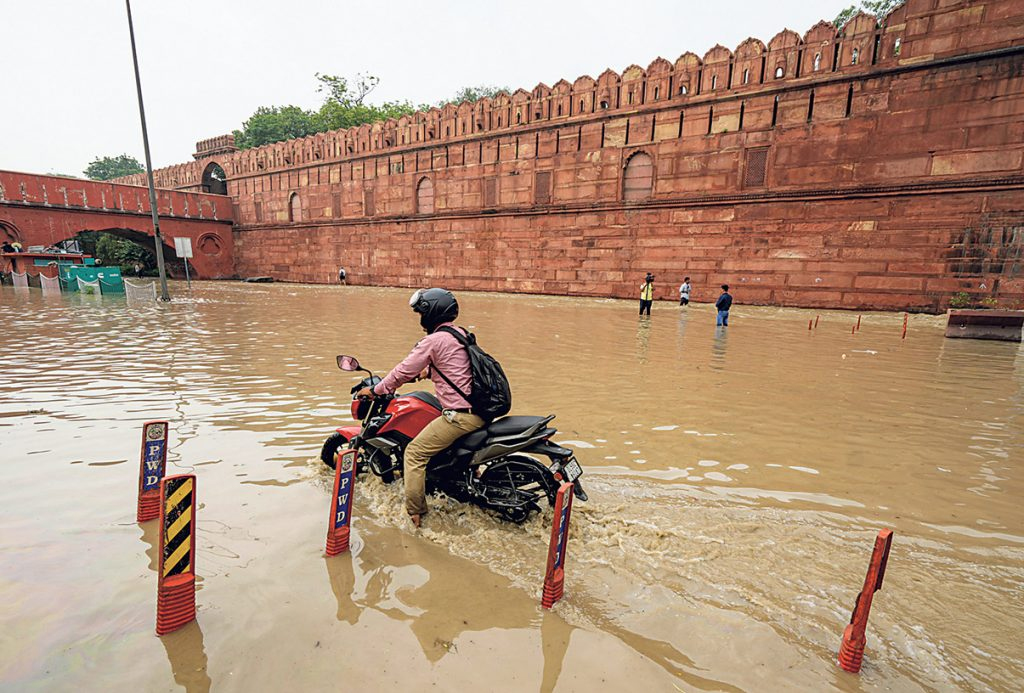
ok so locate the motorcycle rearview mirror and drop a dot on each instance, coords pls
(349, 363)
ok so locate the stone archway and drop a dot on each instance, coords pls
(9, 232)
(175, 265)
(215, 181)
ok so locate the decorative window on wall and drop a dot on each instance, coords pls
(638, 178)
(425, 196)
(542, 188)
(294, 208)
(755, 168)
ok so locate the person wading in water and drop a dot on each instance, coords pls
(647, 294)
(436, 354)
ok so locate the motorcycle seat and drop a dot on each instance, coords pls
(471, 441)
(510, 425)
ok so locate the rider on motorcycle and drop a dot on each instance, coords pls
(438, 351)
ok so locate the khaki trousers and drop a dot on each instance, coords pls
(438, 435)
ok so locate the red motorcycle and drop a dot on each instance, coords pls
(492, 467)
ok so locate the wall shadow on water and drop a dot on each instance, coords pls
(187, 655)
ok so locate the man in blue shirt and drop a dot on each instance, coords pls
(723, 304)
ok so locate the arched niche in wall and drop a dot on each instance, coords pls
(425, 196)
(638, 177)
(294, 207)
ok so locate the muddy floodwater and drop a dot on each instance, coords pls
(737, 480)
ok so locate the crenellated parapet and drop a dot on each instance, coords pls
(915, 32)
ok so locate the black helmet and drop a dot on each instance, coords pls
(435, 306)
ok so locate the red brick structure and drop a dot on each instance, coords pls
(44, 210)
(875, 166)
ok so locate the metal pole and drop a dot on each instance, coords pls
(159, 241)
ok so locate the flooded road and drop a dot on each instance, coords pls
(737, 479)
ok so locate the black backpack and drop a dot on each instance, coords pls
(490, 396)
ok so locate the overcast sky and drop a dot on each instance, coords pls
(67, 92)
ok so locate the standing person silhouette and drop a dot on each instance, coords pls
(647, 294)
(723, 304)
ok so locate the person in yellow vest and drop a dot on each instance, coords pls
(647, 294)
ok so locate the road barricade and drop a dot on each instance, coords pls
(339, 523)
(554, 576)
(176, 590)
(851, 651)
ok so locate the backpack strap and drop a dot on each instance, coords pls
(465, 343)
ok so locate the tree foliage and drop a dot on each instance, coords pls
(344, 106)
(879, 8)
(107, 167)
(113, 251)
(474, 93)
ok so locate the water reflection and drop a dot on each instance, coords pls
(187, 656)
(389, 576)
(151, 537)
(718, 346)
(555, 634)
(643, 338)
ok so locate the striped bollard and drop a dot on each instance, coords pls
(152, 464)
(339, 524)
(176, 591)
(851, 651)
(554, 577)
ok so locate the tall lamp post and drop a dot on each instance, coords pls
(164, 296)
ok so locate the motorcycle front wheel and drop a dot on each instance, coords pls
(515, 484)
(335, 442)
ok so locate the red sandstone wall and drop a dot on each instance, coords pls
(889, 180)
(898, 254)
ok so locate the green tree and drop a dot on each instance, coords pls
(474, 93)
(113, 251)
(275, 123)
(107, 167)
(879, 8)
(344, 106)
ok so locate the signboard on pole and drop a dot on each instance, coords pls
(339, 525)
(151, 469)
(183, 247)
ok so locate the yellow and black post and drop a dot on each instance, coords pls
(176, 593)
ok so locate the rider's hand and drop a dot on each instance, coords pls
(424, 374)
(366, 392)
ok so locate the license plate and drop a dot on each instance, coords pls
(572, 470)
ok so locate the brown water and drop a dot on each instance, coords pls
(737, 479)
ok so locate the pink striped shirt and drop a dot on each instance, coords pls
(439, 350)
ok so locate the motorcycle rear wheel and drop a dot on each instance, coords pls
(525, 475)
